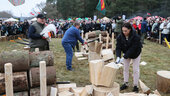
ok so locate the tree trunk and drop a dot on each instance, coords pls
(36, 57)
(20, 82)
(103, 91)
(96, 34)
(163, 81)
(35, 76)
(19, 60)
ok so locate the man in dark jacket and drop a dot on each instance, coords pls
(143, 30)
(69, 40)
(129, 43)
(36, 40)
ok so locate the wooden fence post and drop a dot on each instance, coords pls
(43, 80)
(8, 79)
(112, 41)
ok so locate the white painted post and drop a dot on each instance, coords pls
(37, 50)
(112, 41)
(107, 41)
(8, 79)
(53, 91)
(100, 38)
(43, 80)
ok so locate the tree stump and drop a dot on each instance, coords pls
(163, 81)
(104, 91)
(35, 76)
(20, 82)
(19, 60)
(36, 57)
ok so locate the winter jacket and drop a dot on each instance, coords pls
(131, 47)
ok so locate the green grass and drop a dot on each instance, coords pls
(156, 56)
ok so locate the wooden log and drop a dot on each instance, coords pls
(93, 56)
(65, 87)
(77, 91)
(36, 91)
(19, 60)
(95, 68)
(35, 76)
(24, 93)
(107, 41)
(3, 38)
(113, 42)
(145, 89)
(98, 47)
(104, 91)
(65, 93)
(20, 82)
(163, 81)
(92, 46)
(109, 46)
(108, 75)
(8, 79)
(43, 79)
(107, 54)
(46, 56)
(87, 91)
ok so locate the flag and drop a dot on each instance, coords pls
(17, 2)
(149, 14)
(32, 13)
(101, 7)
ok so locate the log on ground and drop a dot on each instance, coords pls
(19, 60)
(35, 76)
(20, 82)
(36, 57)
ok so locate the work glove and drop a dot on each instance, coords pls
(117, 60)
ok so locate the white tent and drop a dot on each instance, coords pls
(34, 19)
(106, 19)
(11, 20)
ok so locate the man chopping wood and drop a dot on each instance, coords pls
(69, 40)
(37, 40)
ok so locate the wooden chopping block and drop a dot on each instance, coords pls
(104, 91)
(95, 68)
(163, 81)
(108, 75)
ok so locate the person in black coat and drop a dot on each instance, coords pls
(129, 43)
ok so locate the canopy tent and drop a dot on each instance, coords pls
(137, 18)
(17, 2)
(69, 19)
(34, 19)
(11, 20)
(105, 19)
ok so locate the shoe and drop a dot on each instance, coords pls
(135, 89)
(124, 86)
(70, 69)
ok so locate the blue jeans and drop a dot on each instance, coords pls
(69, 55)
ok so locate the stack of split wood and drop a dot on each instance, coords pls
(103, 77)
(25, 65)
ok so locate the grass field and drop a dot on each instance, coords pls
(156, 56)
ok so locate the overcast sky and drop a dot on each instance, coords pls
(23, 10)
